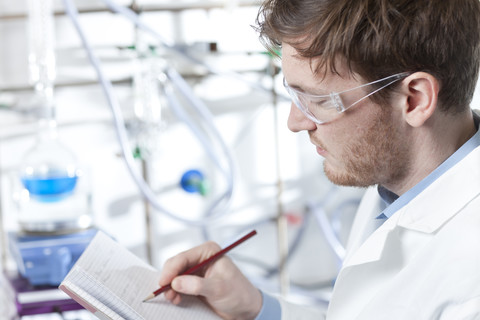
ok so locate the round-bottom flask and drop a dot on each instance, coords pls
(52, 193)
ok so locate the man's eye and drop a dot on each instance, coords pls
(322, 103)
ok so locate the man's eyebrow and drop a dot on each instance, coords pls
(308, 90)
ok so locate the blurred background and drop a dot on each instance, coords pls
(175, 134)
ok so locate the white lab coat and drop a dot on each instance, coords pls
(422, 263)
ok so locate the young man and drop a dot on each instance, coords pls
(383, 88)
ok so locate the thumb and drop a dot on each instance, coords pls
(191, 285)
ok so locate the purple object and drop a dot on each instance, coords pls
(26, 303)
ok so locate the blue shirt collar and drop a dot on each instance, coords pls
(393, 202)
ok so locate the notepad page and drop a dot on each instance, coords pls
(99, 296)
(119, 281)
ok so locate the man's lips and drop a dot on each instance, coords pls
(321, 151)
(319, 147)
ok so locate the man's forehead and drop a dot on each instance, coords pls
(316, 65)
(295, 58)
(291, 51)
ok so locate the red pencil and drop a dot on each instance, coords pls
(203, 263)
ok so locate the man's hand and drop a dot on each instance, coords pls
(221, 285)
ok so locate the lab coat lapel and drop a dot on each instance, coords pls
(401, 237)
(427, 212)
(373, 264)
(365, 223)
(365, 271)
(373, 247)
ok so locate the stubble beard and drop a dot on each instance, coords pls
(377, 156)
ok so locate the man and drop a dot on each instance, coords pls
(383, 88)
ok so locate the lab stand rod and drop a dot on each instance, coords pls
(3, 238)
(146, 204)
(282, 230)
(148, 216)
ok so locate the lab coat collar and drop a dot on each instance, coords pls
(427, 212)
(438, 203)
(373, 247)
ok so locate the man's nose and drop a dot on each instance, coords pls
(297, 121)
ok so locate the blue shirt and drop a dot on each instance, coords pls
(271, 307)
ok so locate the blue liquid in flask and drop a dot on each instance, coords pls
(50, 189)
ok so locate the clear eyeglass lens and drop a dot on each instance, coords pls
(317, 109)
(322, 109)
(325, 108)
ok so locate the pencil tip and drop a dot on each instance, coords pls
(150, 296)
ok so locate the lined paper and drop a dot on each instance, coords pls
(115, 282)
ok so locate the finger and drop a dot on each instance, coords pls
(198, 286)
(173, 296)
(177, 299)
(170, 295)
(190, 285)
(194, 285)
(181, 262)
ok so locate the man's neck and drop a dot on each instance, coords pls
(432, 144)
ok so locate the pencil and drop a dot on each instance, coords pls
(203, 263)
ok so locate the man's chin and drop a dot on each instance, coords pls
(345, 179)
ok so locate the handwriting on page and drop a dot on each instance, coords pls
(110, 304)
(120, 281)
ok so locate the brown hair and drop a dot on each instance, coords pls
(379, 38)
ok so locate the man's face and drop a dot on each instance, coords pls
(363, 146)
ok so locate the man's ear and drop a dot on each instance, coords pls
(421, 90)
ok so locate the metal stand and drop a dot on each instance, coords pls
(282, 236)
(3, 238)
(148, 217)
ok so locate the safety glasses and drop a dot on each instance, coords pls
(324, 108)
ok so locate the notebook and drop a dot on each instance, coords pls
(111, 282)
